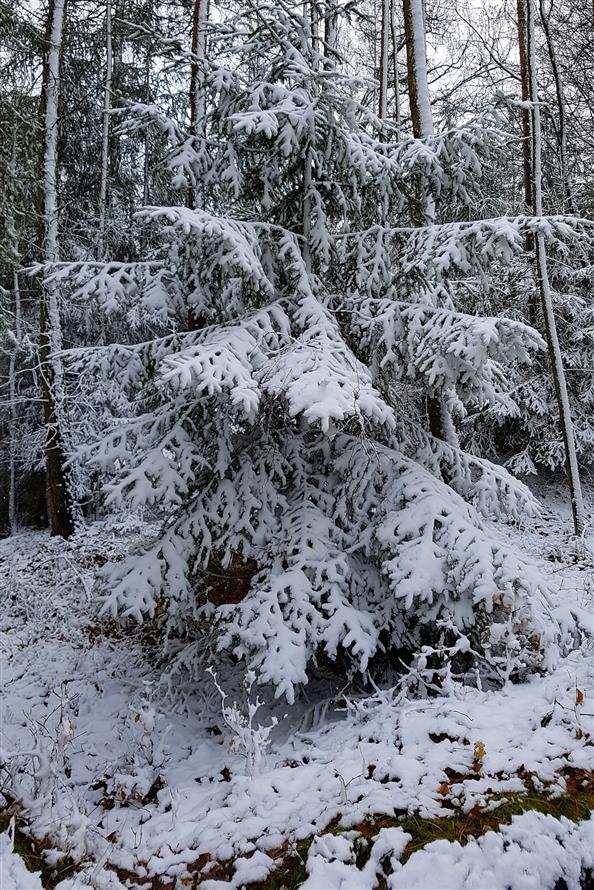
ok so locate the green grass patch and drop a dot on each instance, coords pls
(575, 803)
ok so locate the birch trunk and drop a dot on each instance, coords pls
(542, 275)
(105, 135)
(50, 337)
(418, 91)
(416, 58)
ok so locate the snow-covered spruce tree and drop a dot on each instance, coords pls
(282, 435)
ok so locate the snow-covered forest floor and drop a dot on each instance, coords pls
(113, 779)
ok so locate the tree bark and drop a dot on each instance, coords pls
(12, 505)
(330, 29)
(147, 98)
(526, 143)
(15, 261)
(105, 134)
(197, 108)
(50, 338)
(440, 422)
(397, 112)
(416, 59)
(562, 133)
(197, 113)
(384, 53)
(542, 276)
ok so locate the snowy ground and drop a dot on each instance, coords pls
(125, 784)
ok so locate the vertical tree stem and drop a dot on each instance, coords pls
(50, 336)
(384, 53)
(105, 136)
(542, 275)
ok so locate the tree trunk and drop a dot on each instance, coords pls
(383, 65)
(416, 59)
(15, 261)
(307, 209)
(568, 197)
(50, 337)
(147, 98)
(197, 107)
(418, 93)
(105, 136)
(526, 145)
(197, 113)
(440, 422)
(542, 275)
(330, 29)
(12, 505)
(397, 113)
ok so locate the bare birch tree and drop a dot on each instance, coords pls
(50, 334)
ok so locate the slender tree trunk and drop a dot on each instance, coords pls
(526, 143)
(311, 35)
(12, 505)
(118, 9)
(105, 139)
(330, 29)
(384, 54)
(416, 59)
(195, 198)
(441, 423)
(567, 195)
(542, 275)
(147, 98)
(397, 111)
(14, 352)
(418, 92)
(197, 105)
(50, 337)
(307, 210)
